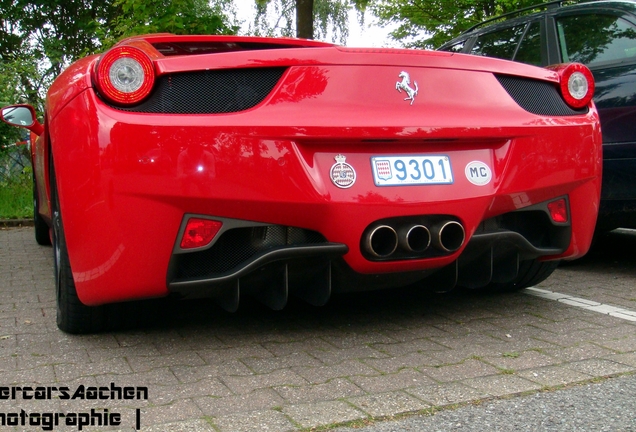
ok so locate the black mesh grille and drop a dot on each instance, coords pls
(537, 97)
(238, 245)
(210, 92)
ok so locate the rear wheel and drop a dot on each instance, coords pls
(42, 236)
(531, 272)
(72, 315)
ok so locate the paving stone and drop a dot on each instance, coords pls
(201, 339)
(567, 326)
(247, 384)
(336, 356)
(447, 393)
(394, 364)
(413, 346)
(10, 363)
(184, 426)
(307, 345)
(623, 344)
(223, 355)
(37, 375)
(161, 377)
(457, 372)
(256, 400)
(401, 380)
(351, 340)
(600, 367)
(501, 385)
(554, 375)
(27, 361)
(627, 359)
(466, 352)
(305, 367)
(565, 340)
(461, 342)
(269, 420)
(188, 374)
(583, 351)
(117, 366)
(520, 360)
(283, 362)
(62, 342)
(388, 404)
(349, 368)
(334, 389)
(142, 350)
(205, 387)
(146, 363)
(316, 414)
(180, 410)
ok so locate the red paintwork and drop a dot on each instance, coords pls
(271, 163)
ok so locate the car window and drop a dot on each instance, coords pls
(458, 47)
(500, 44)
(591, 39)
(530, 49)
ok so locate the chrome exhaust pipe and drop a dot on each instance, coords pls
(448, 236)
(416, 238)
(381, 241)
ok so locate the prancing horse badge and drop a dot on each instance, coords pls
(405, 85)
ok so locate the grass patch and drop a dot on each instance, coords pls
(16, 197)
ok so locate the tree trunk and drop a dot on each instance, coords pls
(305, 19)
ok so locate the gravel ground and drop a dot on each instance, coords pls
(606, 406)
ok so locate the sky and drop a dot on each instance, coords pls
(370, 35)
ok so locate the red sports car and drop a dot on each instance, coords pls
(220, 166)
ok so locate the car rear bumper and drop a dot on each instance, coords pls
(127, 180)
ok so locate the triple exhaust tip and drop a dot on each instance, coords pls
(383, 240)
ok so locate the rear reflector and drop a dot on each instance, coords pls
(558, 211)
(199, 233)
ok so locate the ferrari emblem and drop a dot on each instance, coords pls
(405, 85)
(342, 174)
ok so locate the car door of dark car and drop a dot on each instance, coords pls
(606, 43)
(521, 41)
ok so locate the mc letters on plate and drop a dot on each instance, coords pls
(411, 170)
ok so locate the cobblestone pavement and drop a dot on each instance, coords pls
(361, 358)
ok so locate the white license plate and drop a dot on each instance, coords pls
(411, 170)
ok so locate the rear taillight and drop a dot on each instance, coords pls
(558, 210)
(125, 75)
(576, 82)
(199, 233)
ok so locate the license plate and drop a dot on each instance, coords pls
(411, 170)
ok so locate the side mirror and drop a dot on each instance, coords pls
(22, 116)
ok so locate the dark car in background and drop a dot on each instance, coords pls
(601, 35)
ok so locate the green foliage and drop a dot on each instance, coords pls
(9, 82)
(171, 16)
(430, 23)
(38, 39)
(330, 18)
(16, 196)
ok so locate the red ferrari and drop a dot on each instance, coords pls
(221, 166)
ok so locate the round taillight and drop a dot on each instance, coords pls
(577, 84)
(125, 75)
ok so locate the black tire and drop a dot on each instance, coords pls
(72, 315)
(531, 272)
(42, 236)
